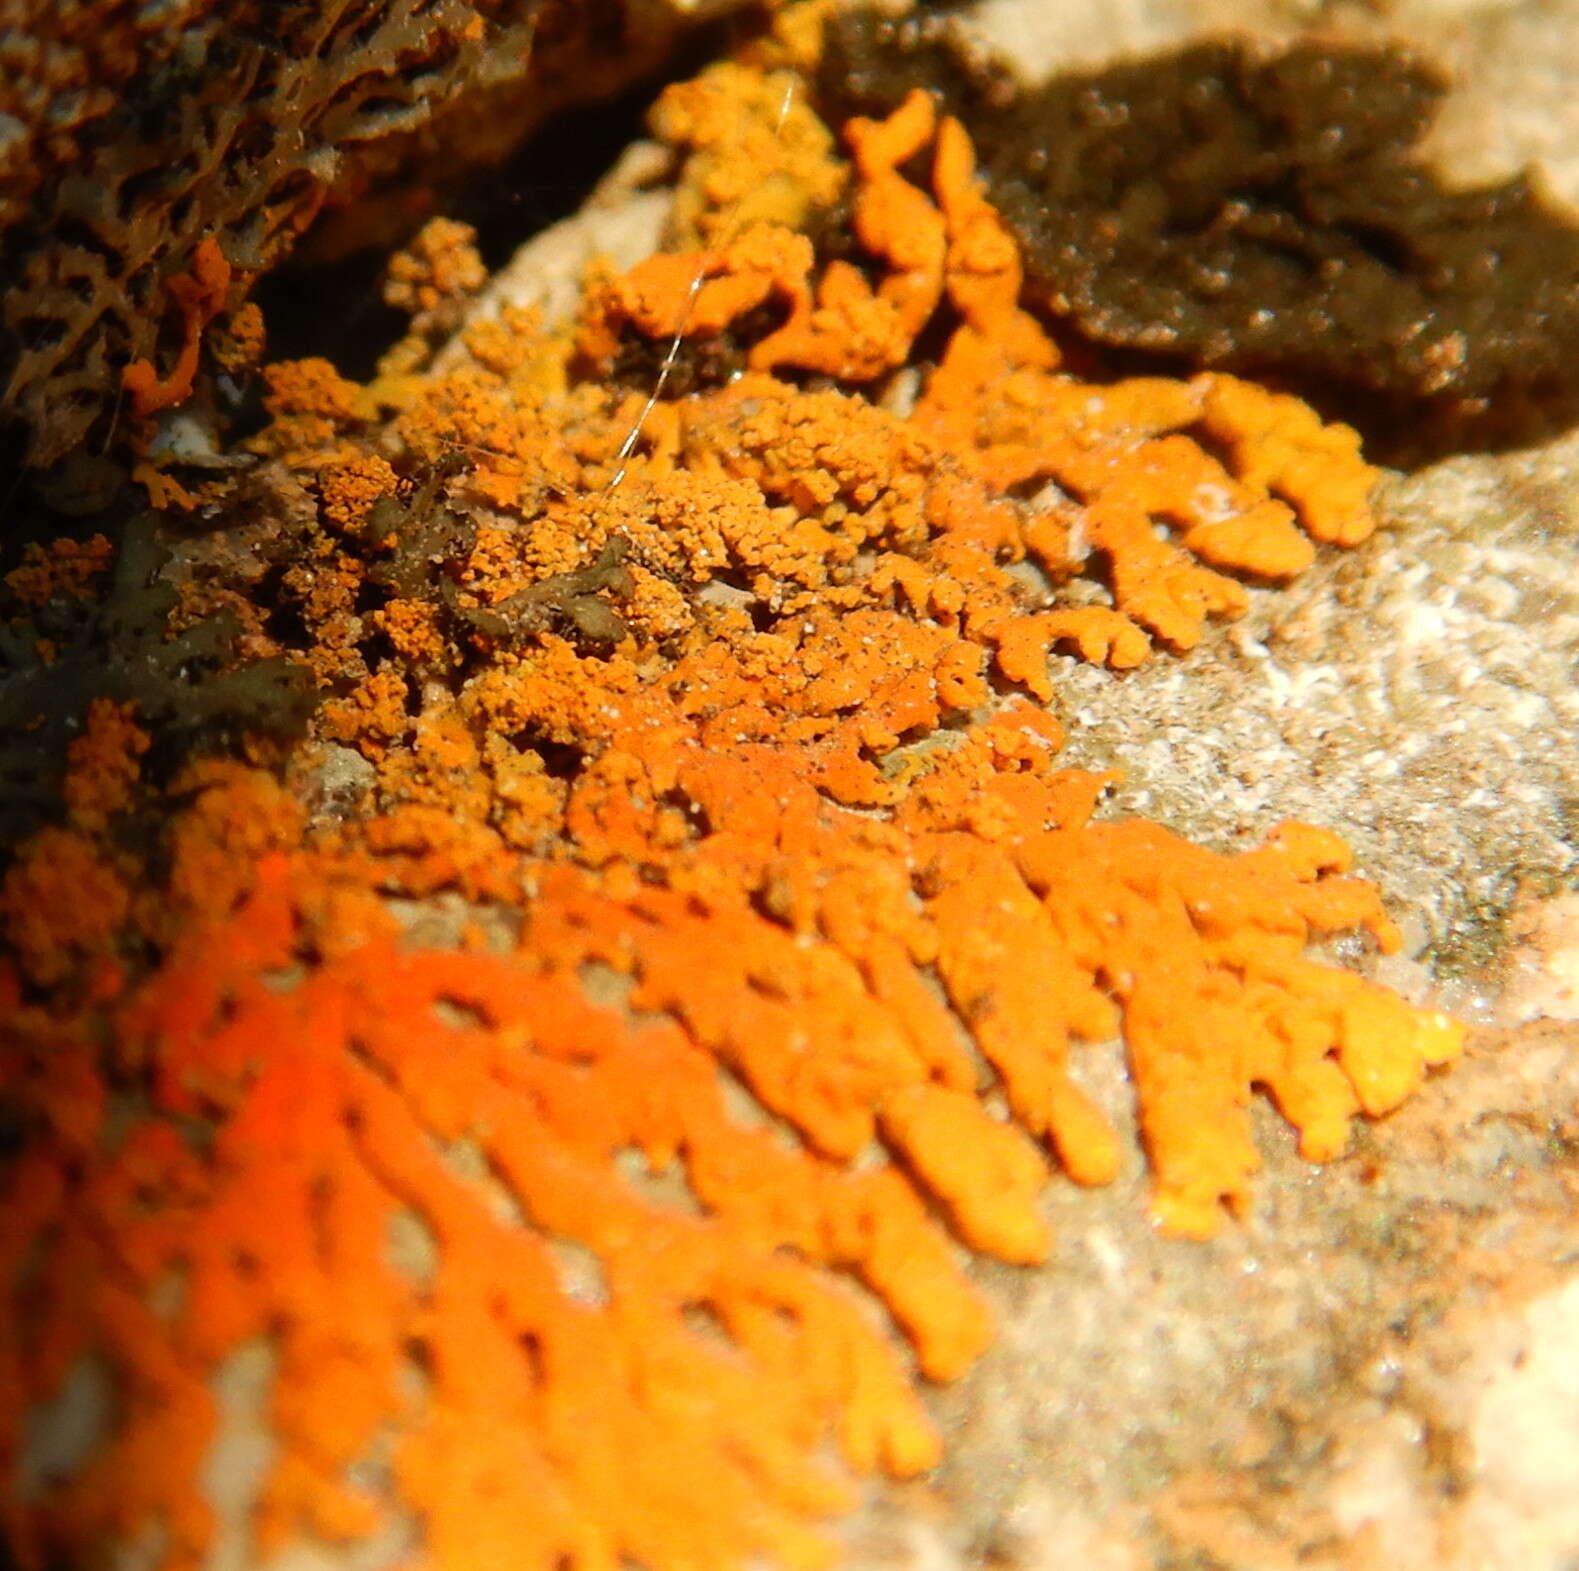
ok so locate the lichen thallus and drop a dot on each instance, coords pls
(574, 596)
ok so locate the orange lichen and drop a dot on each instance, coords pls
(373, 715)
(200, 296)
(349, 489)
(431, 280)
(414, 632)
(515, 1068)
(844, 327)
(313, 406)
(892, 218)
(236, 341)
(1124, 452)
(698, 292)
(162, 488)
(1277, 443)
(712, 725)
(313, 387)
(478, 1104)
(103, 764)
(998, 404)
(237, 816)
(63, 567)
(756, 152)
(982, 264)
(435, 273)
(61, 903)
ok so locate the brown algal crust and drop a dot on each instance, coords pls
(1264, 215)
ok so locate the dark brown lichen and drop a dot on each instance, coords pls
(1264, 215)
(410, 542)
(573, 599)
(191, 684)
(130, 134)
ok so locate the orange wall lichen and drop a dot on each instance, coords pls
(344, 1079)
(552, 1282)
(200, 295)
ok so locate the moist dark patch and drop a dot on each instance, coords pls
(699, 362)
(1220, 208)
(191, 690)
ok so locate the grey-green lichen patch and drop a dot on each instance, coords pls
(1265, 211)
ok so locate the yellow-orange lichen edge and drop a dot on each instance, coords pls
(756, 153)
